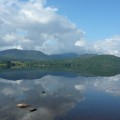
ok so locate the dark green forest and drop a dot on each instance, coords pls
(91, 65)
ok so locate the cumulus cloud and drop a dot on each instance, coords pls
(33, 25)
(108, 46)
(80, 43)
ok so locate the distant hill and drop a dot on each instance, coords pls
(88, 55)
(65, 55)
(15, 54)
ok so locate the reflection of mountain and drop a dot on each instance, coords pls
(17, 74)
(34, 73)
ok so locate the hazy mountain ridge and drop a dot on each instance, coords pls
(15, 54)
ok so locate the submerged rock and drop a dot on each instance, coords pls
(32, 110)
(22, 105)
(43, 92)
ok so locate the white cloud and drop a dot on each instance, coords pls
(80, 43)
(33, 25)
(108, 46)
(9, 38)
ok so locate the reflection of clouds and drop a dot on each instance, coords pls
(61, 96)
(42, 113)
(13, 88)
(108, 84)
(8, 91)
(63, 84)
(10, 81)
(79, 87)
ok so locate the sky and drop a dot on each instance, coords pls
(61, 26)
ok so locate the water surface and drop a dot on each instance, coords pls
(67, 96)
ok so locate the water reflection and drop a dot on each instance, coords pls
(30, 74)
(64, 97)
(59, 98)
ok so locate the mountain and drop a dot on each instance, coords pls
(86, 55)
(65, 55)
(15, 54)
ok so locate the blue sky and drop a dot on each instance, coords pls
(99, 18)
(61, 26)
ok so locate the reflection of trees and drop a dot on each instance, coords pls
(17, 74)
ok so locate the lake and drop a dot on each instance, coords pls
(58, 96)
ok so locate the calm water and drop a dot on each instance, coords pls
(67, 96)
